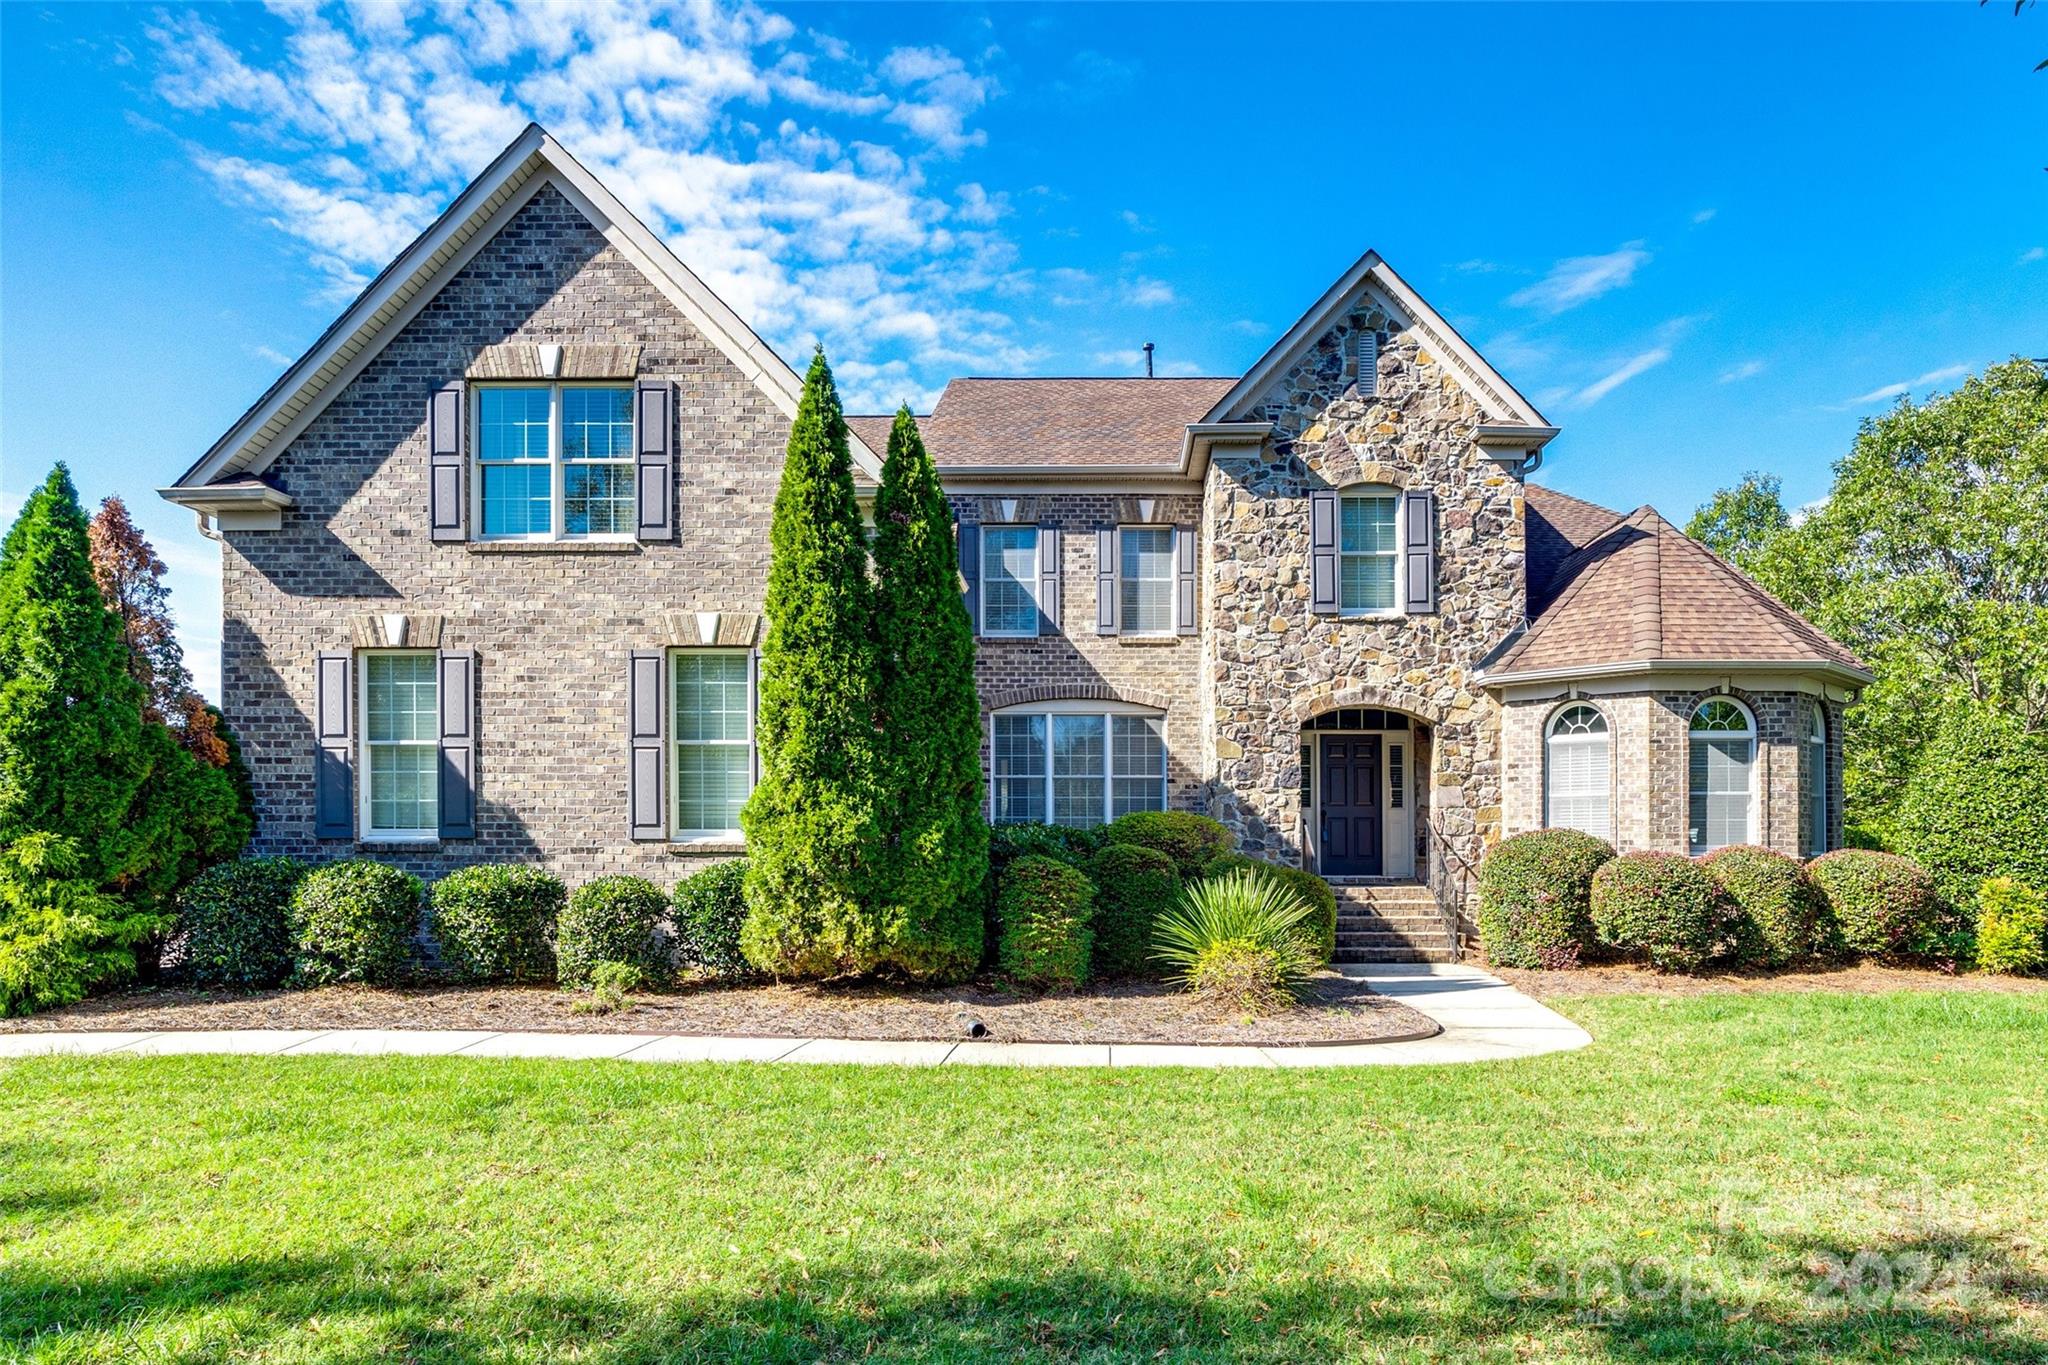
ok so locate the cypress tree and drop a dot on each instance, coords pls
(74, 751)
(813, 833)
(937, 849)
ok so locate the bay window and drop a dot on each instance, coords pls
(1721, 771)
(1576, 771)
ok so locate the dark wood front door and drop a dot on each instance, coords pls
(1351, 806)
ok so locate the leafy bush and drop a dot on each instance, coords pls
(353, 921)
(1192, 841)
(1320, 895)
(1785, 918)
(234, 923)
(1133, 887)
(1045, 907)
(1977, 804)
(613, 919)
(1663, 907)
(1062, 843)
(1242, 940)
(711, 908)
(2012, 926)
(1885, 905)
(611, 987)
(498, 923)
(1535, 898)
(60, 936)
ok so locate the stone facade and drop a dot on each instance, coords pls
(1649, 749)
(1269, 663)
(552, 625)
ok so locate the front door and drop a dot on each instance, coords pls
(1351, 806)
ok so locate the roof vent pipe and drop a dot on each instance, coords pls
(1148, 360)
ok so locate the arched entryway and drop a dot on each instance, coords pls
(1363, 792)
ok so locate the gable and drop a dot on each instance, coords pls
(533, 163)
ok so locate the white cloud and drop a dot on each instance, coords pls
(270, 355)
(1580, 279)
(1614, 379)
(1886, 392)
(1748, 369)
(1146, 292)
(356, 125)
(1136, 221)
(2032, 254)
(1704, 216)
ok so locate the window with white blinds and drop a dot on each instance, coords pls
(1817, 782)
(1576, 768)
(1722, 753)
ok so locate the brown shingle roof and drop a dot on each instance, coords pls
(1642, 592)
(1556, 525)
(1005, 423)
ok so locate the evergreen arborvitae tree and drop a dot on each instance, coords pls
(74, 750)
(813, 830)
(931, 894)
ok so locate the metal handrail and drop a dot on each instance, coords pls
(1464, 872)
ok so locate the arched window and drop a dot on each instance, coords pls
(1723, 760)
(1817, 780)
(1576, 771)
(1369, 550)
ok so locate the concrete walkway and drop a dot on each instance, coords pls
(1483, 1019)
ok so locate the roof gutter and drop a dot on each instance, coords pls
(1859, 677)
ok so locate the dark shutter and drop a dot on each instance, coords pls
(1368, 364)
(1048, 580)
(1106, 566)
(446, 464)
(1418, 550)
(644, 734)
(1322, 551)
(1184, 579)
(334, 810)
(654, 470)
(458, 744)
(969, 538)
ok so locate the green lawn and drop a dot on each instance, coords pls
(1721, 1150)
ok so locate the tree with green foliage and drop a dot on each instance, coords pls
(60, 934)
(813, 824)
(1930, 559)
(936, 855)
(1738, 522)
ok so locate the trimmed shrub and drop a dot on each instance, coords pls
(353, 921)
(711, 908)
(1241, 940)
(1062, 843)
(1133, 887)
(613, 919)
(1886, 906)
(2012, 926)
(1977, 804)
(60, 935)
(1663, 907)
(1785, 918)
(1192, 841)
(498, 923)
(1321, 897)
(234, 923)
(1045, 907)
(1535, 898)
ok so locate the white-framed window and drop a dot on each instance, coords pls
(1145, 577)
(400, 792)
(1369, 551)
(554, 461)
(1577, 771)
(1722, 771)
(1077, 763)
(1817, 780)
(1009, 580)
(711, 724)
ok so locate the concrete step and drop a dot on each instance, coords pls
(1439, 939)
(1366, 956)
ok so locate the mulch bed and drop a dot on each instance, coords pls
(1335, 1009)
(1864, 978)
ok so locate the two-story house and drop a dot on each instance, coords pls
(493, 553)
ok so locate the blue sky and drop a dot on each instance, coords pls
(1704, 239)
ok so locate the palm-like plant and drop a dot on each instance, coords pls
(1242, 940)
